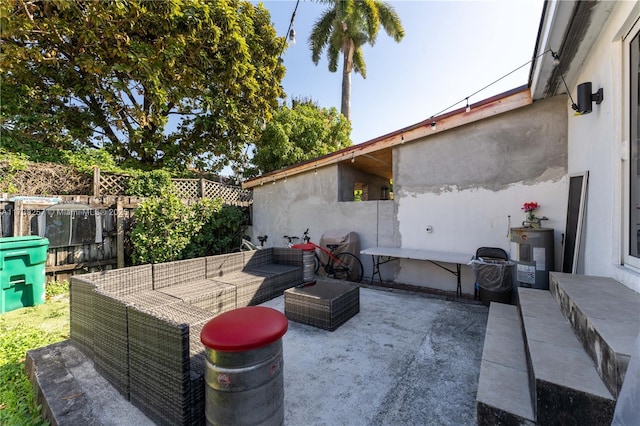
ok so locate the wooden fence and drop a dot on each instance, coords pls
(20, 217)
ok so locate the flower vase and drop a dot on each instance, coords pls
(532, 221)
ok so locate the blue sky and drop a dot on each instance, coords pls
(451, 49)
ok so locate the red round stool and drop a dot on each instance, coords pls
(244, 383)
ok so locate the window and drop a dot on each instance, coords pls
(70, 225)
(632, 225)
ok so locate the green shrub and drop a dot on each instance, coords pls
(86, 159)
(166, 229)
(220, 232)
(10, 164)
(155, 183)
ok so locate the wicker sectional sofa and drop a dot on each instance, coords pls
(141, 325)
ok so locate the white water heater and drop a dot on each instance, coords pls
(532, 251)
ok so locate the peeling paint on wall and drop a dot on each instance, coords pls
(524, 146)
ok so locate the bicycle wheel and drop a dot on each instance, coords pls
(316, 263)
(348, 267)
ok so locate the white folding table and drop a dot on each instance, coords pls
(382, 255)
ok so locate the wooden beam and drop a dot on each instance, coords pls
(81, 265)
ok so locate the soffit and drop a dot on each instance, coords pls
(570, 29)
(379, 163)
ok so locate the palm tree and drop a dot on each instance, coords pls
(345, 27)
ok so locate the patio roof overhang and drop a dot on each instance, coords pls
(375, 156)
(568, 28)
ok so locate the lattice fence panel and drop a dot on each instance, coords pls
(232, 195)
(187, 188)
(47, 179)
(111, 184)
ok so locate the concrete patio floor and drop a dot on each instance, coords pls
(407, 358)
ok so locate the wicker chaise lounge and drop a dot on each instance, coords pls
(140, 325)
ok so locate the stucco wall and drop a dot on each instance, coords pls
(464, 183)
(309, 200)
(596, 144)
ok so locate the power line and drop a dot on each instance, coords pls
(491, 84)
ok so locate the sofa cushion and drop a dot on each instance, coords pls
(223, 264)
(279, 277)
(150, 299)
(120, 282)
(255, 258)
(178, 272)
(213, 296)
(287, 256)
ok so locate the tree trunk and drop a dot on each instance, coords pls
(346, 79)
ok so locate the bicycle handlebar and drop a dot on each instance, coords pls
(290, 238)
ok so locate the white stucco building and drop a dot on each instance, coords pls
(460, 183)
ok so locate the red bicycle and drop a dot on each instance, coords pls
(342, 266)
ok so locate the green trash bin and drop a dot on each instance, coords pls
(22, 277)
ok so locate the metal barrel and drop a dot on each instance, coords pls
(308, 253)
(245, 388)
(243, 372)
(307, 266)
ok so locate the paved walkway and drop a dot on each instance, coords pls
(405, 359)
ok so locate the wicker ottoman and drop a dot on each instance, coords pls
(326, 304)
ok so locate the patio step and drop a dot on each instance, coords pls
(604, 316)
(565, 384)
(572, 345)
(503, 395)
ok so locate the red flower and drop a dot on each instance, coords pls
(529, 207)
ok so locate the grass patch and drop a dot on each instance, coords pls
(20, 331)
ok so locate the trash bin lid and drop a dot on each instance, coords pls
(244, 329)
(304, 247)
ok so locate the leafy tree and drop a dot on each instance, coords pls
(344, 28)
(158, 83)
(299, 133)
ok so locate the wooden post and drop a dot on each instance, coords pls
(17, 218)
(96, 181)
(203, 188)
(120, 233)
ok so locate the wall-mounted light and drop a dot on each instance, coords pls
(586, 98)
